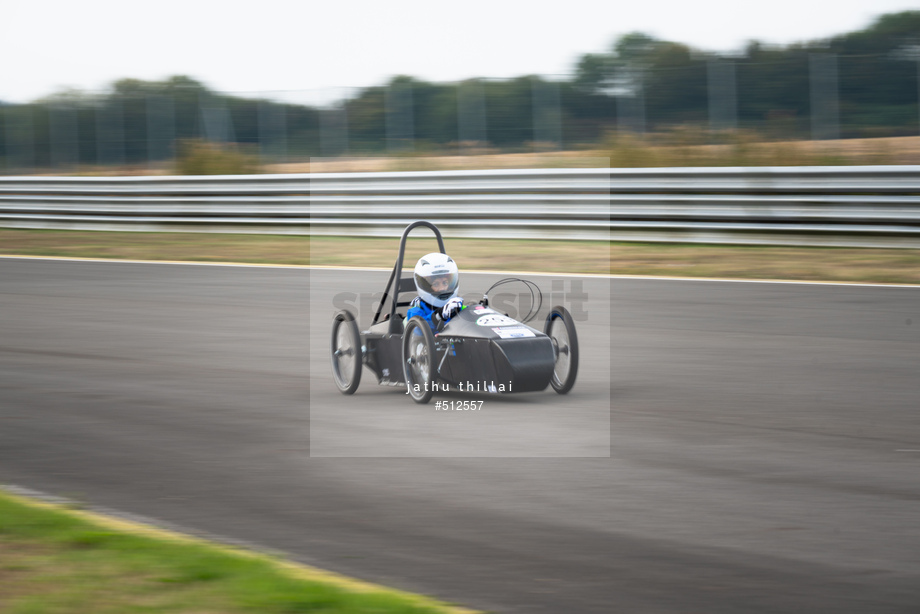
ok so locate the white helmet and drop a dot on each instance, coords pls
(437, 279)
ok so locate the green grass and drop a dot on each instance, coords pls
(662, 259)
(58, 561)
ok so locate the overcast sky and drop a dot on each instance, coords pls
(278, 45)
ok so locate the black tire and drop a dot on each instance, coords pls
(347, 357)
(418, 360)
(561, 329)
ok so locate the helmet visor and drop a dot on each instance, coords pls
(441, 284)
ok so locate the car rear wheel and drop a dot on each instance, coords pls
(346, 352)
(560, 328)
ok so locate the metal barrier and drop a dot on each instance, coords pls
(843, 206)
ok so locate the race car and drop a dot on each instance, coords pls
(478, 350)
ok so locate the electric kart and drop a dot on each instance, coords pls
(478, 350)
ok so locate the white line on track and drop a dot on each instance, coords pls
(485, 272)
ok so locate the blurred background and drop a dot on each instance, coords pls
(848, 99)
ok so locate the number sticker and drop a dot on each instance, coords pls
(496, 320)
(512, 332)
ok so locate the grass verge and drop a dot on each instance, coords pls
(54, 560)
(661, 259)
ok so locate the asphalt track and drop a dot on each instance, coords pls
(764, 440)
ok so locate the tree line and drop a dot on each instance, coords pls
(641, 83)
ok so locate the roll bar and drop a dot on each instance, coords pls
(395, 281)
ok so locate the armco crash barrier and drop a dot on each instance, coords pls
(871, 206)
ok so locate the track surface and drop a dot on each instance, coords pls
(760, 442)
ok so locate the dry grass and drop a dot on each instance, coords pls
(664, 259)
(677, 148)
(21, 563)
(193, 247)
(768, 262)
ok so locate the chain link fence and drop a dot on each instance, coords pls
(141, 127)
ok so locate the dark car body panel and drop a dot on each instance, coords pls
(479, 350)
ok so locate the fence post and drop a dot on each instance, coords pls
(547, 115)
(217, 122)
(333, 130)
(825, 110)
(471, 115)
(631, 105)
(723, 96)
(161, 128)
(62, 127)
(272, 132)
(400, 126)
(110, 134)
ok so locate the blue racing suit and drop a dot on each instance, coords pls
(418, 307)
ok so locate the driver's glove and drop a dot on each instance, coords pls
(451, 308)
